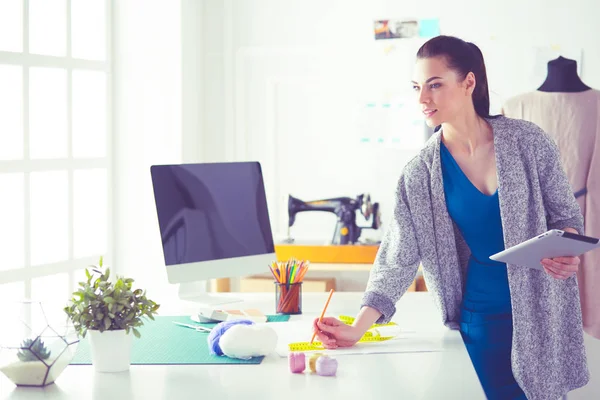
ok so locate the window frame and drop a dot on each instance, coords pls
(69, 164)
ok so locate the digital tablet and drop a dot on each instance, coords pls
(554, 243)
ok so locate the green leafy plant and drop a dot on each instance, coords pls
(33, 350)
(102, 305)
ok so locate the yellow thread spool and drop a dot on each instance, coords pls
(312, 361)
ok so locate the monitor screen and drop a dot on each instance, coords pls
(211, 211)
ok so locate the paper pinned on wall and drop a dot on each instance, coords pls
(394, 122)
(396, 28)
(429, 28)
(406, 28)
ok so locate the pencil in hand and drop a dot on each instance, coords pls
(322, 314)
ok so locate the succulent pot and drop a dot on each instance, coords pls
(35, 349)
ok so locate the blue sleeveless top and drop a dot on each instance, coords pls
(477, 215)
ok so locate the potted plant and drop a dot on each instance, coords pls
(111, 312)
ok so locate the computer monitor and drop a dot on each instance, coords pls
(214, 223)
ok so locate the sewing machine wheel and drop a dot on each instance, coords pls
(366, 207)
(376, 216)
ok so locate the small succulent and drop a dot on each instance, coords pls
(33, 350)
(102, 305)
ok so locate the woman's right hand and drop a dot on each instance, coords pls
(333, 333)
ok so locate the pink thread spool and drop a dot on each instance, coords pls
(326, 366)
(297, 362)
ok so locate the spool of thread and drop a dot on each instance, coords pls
(312, 361)
(297, 362)
(326, 366)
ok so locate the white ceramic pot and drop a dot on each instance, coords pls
(111, 350)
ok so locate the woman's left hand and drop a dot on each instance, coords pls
(561, 267)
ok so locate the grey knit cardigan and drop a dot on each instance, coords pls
(548, 354)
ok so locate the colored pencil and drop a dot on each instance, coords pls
(288, 274)
(322, 314)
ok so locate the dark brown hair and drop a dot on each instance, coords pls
(462, 57)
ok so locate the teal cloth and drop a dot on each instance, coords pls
(486, 315)
(163, 342)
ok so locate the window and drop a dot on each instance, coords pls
(54, 144)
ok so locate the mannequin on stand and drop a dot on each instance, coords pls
(568, 110)
(562, 77)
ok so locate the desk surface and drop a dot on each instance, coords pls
(440, 375)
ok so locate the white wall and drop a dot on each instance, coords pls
(147, 129)
(280, 82)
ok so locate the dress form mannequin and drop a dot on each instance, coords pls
(569, 111)
(562, 77)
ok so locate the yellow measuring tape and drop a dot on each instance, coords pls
(350, 320)
(367, 337)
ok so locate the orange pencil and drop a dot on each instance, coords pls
(322, 314)
(275, 275)
(302, 273)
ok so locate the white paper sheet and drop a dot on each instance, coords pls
(404, 342)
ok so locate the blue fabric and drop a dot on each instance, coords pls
(486, 316)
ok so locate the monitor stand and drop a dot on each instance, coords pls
(196, 292)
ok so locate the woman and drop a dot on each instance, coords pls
(481, 184)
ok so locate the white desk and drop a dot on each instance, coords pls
(440, 375)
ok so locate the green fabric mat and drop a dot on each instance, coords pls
(163, 342)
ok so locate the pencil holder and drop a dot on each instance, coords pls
(288, 298)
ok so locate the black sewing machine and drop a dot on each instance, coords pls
(346, 229)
